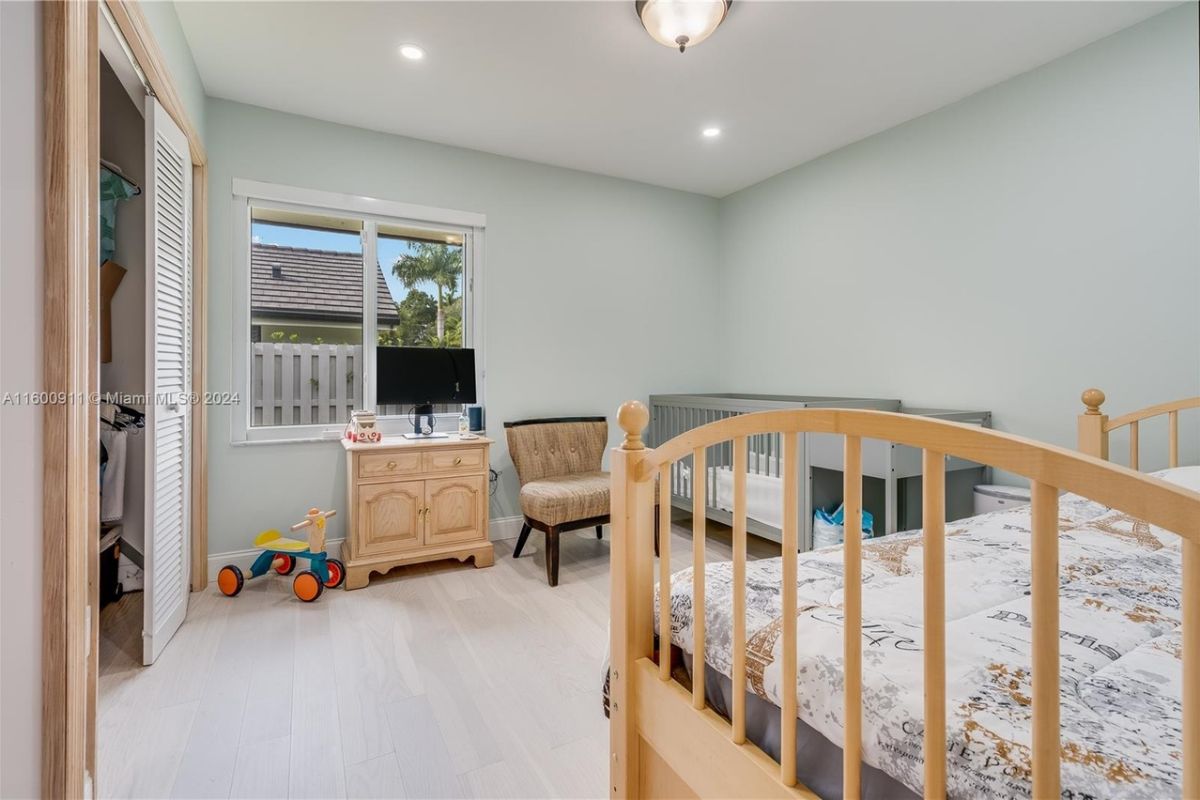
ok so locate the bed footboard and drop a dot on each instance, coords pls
(1095, 427)
(665, 742)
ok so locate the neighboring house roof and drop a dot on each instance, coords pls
(294, 283)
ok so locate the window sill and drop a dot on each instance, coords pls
(301, 434)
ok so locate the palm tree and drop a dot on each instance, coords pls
(437, 264)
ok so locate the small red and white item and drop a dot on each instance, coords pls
(362, 428)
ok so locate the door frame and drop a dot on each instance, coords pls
(70, 497)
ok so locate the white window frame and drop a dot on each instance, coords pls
(249, 194)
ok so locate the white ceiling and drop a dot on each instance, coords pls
(581, 85)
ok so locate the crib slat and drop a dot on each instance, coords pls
(933, 505)
(1173, 434)
(787, 711)
(1044, 599)
(1133, 445)
(664, 574)
(698, 520)
(1191, 669)
(739, 590)
(852, 615)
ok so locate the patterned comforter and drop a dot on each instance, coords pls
(1120, 650)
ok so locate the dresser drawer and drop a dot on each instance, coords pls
(466, 459)
(384, 465)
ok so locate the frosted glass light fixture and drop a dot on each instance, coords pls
(681, 23)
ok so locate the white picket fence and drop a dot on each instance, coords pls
(298, 384)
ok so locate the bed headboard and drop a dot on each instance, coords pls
(1095, 426)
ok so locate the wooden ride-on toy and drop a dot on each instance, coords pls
(280, 554)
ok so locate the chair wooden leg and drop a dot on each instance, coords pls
(552, 556)
(521, 540)
(599, 531)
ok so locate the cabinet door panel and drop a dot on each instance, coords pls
(457, 509)
(389, 517)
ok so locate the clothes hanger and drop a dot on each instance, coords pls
(116, 170)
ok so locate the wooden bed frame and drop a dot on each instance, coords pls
(665, 741)
(1094, 426)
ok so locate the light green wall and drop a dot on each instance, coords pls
(164, 24)
(597, 290)
(1003, 253)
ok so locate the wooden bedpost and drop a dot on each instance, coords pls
(1093, 438)
(632, 567)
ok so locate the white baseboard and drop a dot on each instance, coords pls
(505, 528)
(499, 528)
(244, 558)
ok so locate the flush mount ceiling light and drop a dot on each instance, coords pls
(710, 133)
(681, 23)
(412, 52)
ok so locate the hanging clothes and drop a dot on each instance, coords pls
(113, 188)
(112, 478)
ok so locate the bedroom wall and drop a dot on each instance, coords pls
(164, 23)
(593, 289)
(21, 251)
(1001, 253)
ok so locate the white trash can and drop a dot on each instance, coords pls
(989, 497)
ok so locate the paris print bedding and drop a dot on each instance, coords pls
(1120, 649)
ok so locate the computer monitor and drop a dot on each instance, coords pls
(422, 376)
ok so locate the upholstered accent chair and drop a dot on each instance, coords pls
(562, 485)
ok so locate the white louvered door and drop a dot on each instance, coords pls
(168, 378)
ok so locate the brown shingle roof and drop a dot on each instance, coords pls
(295, 283)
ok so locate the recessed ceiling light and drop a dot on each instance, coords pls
(710, 133)
(412, 52)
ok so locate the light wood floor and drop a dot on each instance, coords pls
(439, 680)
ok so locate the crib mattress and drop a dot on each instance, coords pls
(1120, 651)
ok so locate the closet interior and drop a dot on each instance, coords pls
(123, 328)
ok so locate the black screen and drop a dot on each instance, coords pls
(418, 375)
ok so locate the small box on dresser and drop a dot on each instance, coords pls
(411, 501)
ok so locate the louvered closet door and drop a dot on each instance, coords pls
(168, 378)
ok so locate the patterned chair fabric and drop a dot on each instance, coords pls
(566, 498)
(558, 464)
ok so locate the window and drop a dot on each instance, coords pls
(323, 279)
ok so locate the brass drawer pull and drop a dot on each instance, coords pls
(391, 465)
(458, 461)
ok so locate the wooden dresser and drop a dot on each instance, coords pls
(411, 501)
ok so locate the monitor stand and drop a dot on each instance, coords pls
(424, 411)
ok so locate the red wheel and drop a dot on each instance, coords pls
(289, 564)
(337, 573)
(230, 581)
(307, 586)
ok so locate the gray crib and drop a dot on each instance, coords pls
(891, 473)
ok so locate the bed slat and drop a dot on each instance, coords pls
(1044, 599)
(698, 527)
(1191, 669)
(852, 613)
(664, 574)
(933, 522)
(791, 514)
(1133, 445)
(739, 590)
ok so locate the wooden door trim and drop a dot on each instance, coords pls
(70, 459)
(70, 495)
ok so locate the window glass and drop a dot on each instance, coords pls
(420, 293)
(306, 318)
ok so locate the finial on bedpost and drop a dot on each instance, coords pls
(633, 416)
(1093, 436)
(1092, 399)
